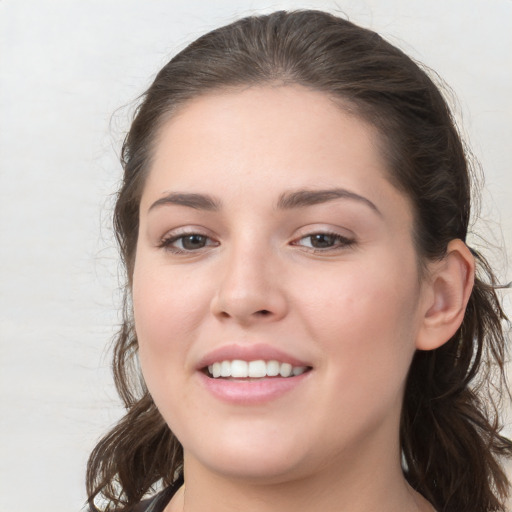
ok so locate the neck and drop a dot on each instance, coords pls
(361, 486)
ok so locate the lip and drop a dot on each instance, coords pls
(248, 353)
(250, 391)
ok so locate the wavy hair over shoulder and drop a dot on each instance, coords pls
(450, 434)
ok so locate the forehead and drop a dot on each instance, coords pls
(256, 114)
(268, 139)
(267, 127)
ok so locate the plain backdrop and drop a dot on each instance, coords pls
(69, 73)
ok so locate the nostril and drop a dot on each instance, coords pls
(263, 312)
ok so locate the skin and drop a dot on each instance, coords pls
(355, 310)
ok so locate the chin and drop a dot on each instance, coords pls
(262, 471)
(250, 462)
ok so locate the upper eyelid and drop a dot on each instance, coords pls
(314, 229)
(300, 233)
(166, 243)
(184, 235)
(328, 233)
(170, 237)
(186, 230)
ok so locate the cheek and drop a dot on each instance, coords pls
(366, 332)
(366, 320)
(365, 295)
(168, 307)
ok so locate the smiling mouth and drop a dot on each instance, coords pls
(258, 369)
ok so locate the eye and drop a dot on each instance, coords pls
(324, 241)
(187, 242)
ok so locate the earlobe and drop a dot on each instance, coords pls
(449, 289)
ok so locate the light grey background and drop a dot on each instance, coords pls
(65, 67)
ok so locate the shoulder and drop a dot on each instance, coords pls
(158, 502)
(153, 504)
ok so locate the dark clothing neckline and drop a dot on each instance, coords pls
(161, 500)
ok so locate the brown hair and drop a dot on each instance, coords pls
(449, 427)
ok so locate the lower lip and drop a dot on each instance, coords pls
(247, 392)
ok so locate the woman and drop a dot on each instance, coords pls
(312, 329)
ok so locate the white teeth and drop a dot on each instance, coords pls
(286, 370)
(225, 369)
(257, 369)
(239, 369)
(273, 368)
(216, 370)
(254, 369)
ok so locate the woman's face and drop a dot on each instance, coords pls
(270, 236)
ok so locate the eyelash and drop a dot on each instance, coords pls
(339, 242)
(167, 242)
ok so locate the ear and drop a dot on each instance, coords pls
(447, 292)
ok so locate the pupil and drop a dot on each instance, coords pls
(194, 242)
(322, 240)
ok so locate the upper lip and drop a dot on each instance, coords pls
(248, 353)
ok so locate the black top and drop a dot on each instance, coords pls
(161, 500)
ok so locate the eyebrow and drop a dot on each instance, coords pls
(196, 201)
(300, 198)
(287, 200)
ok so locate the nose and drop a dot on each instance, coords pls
(250, 288)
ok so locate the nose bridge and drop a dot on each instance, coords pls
(248, 286)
